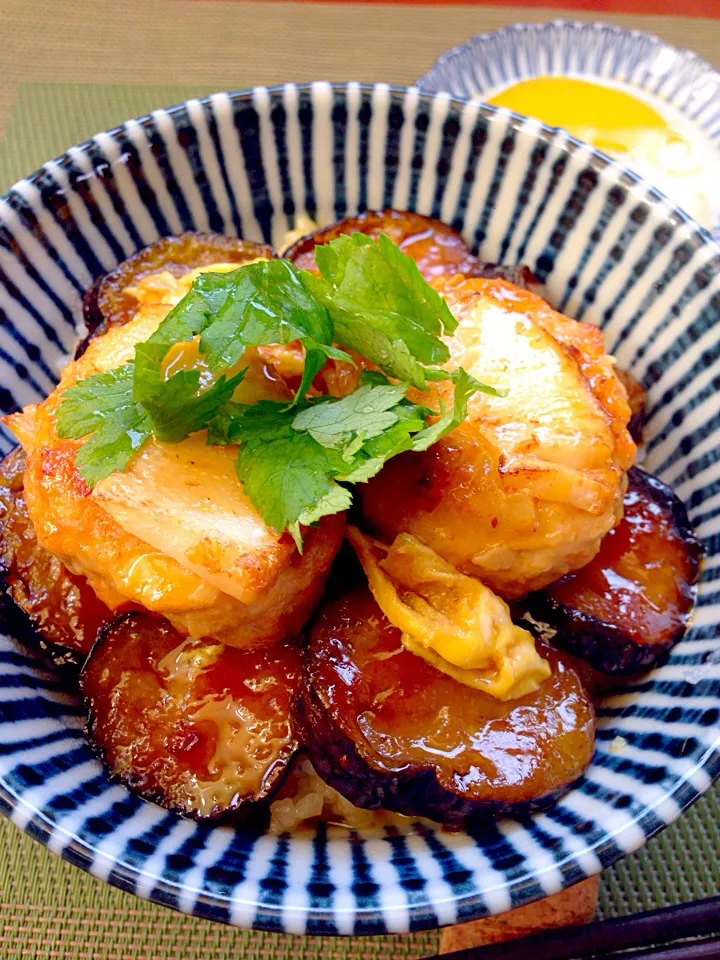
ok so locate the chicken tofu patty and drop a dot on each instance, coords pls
(524, 490)
(174, 533)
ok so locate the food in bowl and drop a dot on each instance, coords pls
(190, 481)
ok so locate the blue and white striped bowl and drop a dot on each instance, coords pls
(609, 248)
(488, 62)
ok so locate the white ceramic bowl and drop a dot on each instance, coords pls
(608, 247)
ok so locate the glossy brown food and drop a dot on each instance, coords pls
(388, 730)
(197, 727)
(524, 490)
(637, 399)
(108, 304)
(629, 606)
(62, 608)
(434, 246)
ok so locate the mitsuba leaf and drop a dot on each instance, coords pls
(465, 387)
(365, 412)
(375, 284)
(103, 406)
(176, 406)
(269, 302)
(294, 460)
(288, 475)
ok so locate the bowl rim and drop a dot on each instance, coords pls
(122, 874)
(478, 40)
(597, 159)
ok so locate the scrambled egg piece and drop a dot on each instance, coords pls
(526, 488)
(174, 533)
(453, 621)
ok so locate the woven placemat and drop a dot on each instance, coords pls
(229, 44)
(61, 81)
(49, 908)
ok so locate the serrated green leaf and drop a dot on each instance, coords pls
(465, 387)
(103, 406)
(112, 447)
(335, 500)
(375, 452)
(176, 406)
(285, 473)
(292, 460)
(376, 284)
(365, 412)
(89, 404)
(269, 302)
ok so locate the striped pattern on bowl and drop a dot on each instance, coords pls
(609, 248)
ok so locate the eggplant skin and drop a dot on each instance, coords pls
(608, 643)
(637, 399)
(371, 716)
(92, 315)
(605, 646)
(437, 248)
(158, 735)
(415, 792)
(106, 305)
(18, 624)
(521, 275)
(45, 605)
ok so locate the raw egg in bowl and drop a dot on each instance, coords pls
(630, 95)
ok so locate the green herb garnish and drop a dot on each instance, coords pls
(103, 408)
(294, 460)
(382, 306)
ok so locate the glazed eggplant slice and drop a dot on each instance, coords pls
(628, 607)
(108, 304)
(521, 275)
(195, 726)
(63, 611)
(434, 246)
(386, 729)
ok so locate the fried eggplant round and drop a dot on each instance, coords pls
(434, 246)
(108, 304)
(62, 609)
(386, 729)
(197, 727)
(629, 606)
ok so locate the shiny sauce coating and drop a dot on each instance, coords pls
(63, 608)
(403, 715)
(195, 726)
(435, 247)
(642, 577)
(109, 301)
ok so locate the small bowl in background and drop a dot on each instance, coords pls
(684, 88)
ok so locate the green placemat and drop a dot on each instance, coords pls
(48, 118)
(49, 908)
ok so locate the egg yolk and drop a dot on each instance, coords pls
(668, 151)
(610, 119)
